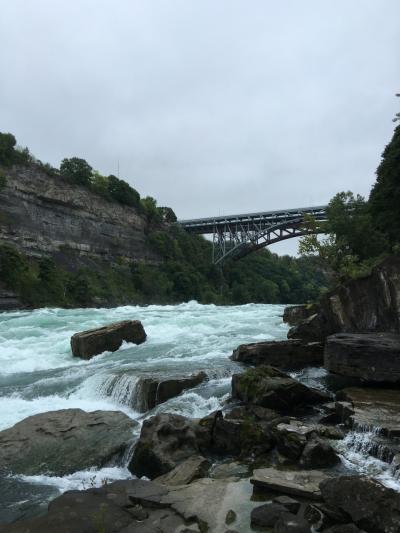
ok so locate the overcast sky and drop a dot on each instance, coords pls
(211, 106)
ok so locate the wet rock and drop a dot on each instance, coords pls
(228, 470)
(371, 408)
(311, 329)
(291, 439)
(287, 355)
(303, 483)
(155, 390)
(194, 467)
(289, 503)
(343, 528)
(369, 356)
(294, 314)
(269, 387)
(289, 523)
(252, 412)
(230, 517)
(62, 442)
(86, 344)
(371, 506)
(267, 515)
(318, 453)
(167, 440)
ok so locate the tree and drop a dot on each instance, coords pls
(76, 169)
(384, 200)
(122, 192)
(7, 148)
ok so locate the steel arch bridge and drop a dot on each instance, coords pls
(238, 235)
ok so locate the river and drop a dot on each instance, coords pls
(39, 374)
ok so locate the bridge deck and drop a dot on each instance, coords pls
(261, 219)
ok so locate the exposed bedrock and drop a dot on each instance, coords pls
(287, 355)
(86, 344)
(62, 442)
(294, 314)
(368, 304)
(269, 387)
(154, 390)
(369, 356)
(370, 505)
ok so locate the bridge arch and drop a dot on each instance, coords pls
(239, 235)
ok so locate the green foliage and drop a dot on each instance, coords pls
(152, 212)
(7, 148)
(351, 239)
(76, 169)
(384, 200)
(122, 192)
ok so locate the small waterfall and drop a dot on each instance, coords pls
(121, 388)
(367, 451)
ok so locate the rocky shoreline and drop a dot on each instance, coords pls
(269, 460)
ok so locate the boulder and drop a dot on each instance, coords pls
(289, 523)
(371, 506)
(86, 344)
(194, 467)
(62, 442)
(318, 453)
(289, 503)
(294, 314)
(152, 391)
(287, 355)
(302, 483)
(369, 356)
(267, 515)
(166, 440)
(269, 387)
(311, 329)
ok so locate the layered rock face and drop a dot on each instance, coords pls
(47, 215)
(367, 304)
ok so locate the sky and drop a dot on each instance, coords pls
(212, 107)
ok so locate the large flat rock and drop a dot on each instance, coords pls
(304, 483)
(372, 357)
(62, 442)
(371, 408)
(287, 355)
(86, 344)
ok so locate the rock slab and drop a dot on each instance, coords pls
(303, 483)
(62, 442)
(86, 344)
(286, 355)
(370, 356)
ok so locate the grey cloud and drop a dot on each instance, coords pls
(210, 106)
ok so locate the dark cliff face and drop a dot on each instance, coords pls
(367, 304)
(43, 215)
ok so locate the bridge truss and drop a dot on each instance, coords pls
(238, 235)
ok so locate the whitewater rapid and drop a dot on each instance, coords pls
(38, 373)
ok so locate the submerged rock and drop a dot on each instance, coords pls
(267, 515)
(155, 390)
(369, 356)
(62, 442)
(86, 344)
(289, 354)
(269, 387)
(371, 506)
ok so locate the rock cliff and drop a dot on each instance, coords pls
(46, 215)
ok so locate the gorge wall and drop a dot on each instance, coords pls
(46, 215)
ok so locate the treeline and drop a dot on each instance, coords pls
(184, 273)
(361, 232)
(78, 171)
